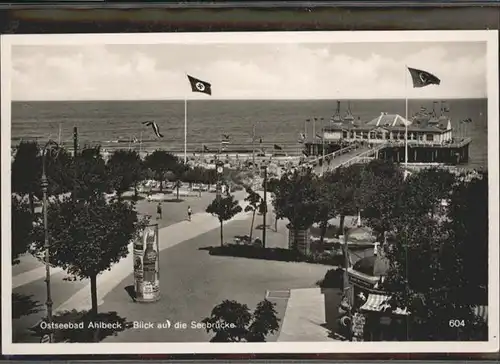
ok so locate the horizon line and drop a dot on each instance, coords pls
(266, 99)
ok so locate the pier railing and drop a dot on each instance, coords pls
(361, 158)
(349, 148)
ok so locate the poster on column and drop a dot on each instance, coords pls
(146, 265)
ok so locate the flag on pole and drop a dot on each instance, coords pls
(308, 120)
(319, 136)
(277, 147)
(468, 120)
(225, 139)
(205, 148)
(423, 78)
(135, 140)
(305, 153)
(155, 127)
(198, 85)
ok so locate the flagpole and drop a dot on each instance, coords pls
(406, 116)
(140, 145)
(253, 146)
(185, 129)
(314, 131)
(323, 150)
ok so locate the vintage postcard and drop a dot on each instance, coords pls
(307, 192)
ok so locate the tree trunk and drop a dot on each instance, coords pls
(324, 225)
(93, 310)
(341, 225)
(32, 203)
(136, 193)
(177, 192)
(221, 233)
(251, 226)
(161, 184)
(93, 294)
(275, 222)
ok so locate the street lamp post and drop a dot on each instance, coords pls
(220, 169)
(50, 144)
(264, 211)
(347, 287)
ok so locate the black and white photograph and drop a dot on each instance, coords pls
(313, 191)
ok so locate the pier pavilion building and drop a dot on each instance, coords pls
(430, 137)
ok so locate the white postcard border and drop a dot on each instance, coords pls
(488, 36)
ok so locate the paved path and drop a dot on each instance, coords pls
(192, 282)
(31, 269)
(305, 317)
(29, 287)
(168, 237)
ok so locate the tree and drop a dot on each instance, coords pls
(346, 191)
(26, 171)
(272, 185)
(265, 322)
(90, 174)
(327, 208)
(254, 201)
(380, 190)
(177, 185)
(453, 250)
(231, 321)
(224, 209)
(88, 237)
(125, 170)
(58, 167)
(468, 217)
(423, 192)
(160, 162)
(296, 199)
(22, 226)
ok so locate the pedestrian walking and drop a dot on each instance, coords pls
(159, 211)
(189, 212)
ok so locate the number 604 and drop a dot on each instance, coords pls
(456, 323)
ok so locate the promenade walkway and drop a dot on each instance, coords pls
(168, 237)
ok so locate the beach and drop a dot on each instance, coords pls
(118, 124)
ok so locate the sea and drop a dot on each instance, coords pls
(119, 124)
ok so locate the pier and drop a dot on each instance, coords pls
(456, 152)
(354, 153)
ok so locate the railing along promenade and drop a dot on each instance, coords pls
(361, 154)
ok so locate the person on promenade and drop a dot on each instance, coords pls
(159, 211)
(189, 212)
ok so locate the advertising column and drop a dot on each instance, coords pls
(147, 265)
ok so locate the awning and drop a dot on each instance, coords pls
(379, 302)
(482, 312)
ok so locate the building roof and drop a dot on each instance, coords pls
(375, 265)
(361, 234)
(389, 120)
(395, 122)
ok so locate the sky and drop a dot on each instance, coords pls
(247, 71)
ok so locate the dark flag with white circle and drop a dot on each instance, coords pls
(198, 85)
(423, 78)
